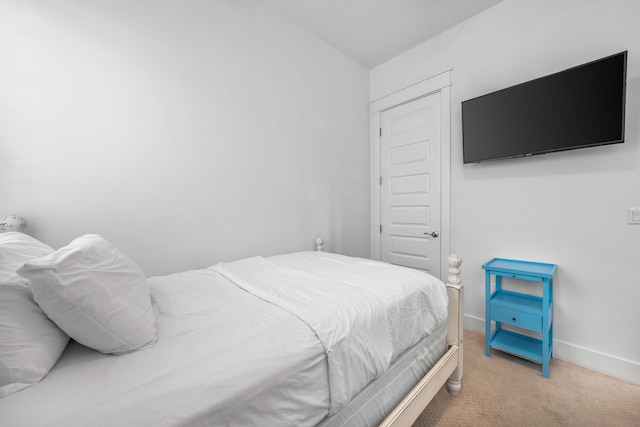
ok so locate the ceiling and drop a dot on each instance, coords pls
(374, 31)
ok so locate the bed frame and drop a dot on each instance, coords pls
(448, 369)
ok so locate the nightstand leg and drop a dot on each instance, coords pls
(488, 314)
(546, 330)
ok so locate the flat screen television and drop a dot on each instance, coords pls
(583, 106)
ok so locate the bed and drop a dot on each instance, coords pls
(302, 339)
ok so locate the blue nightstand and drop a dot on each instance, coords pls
(521, 310)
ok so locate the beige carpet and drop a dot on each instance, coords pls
(503, 390)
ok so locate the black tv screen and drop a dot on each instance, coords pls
(580, 107)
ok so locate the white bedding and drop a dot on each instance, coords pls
(360, 323)
(227, 357)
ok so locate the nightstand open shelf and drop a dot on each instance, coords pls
(520, 345)
(528, 312)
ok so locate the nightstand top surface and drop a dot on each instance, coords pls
(520, 267)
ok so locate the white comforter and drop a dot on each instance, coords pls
(227, 357)
(362, 322)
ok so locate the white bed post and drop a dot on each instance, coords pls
(455, 330)
(319, 244)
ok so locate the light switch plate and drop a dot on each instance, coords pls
(634, 216)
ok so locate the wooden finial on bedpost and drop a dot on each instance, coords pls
(319, 243)
(454, 272)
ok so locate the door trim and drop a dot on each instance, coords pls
(438, 83)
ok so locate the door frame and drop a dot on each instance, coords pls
(438, 83)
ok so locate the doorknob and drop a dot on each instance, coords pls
(434, 234)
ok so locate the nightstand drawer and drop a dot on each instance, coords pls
(517, 318)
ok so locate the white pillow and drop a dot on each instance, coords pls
(94, 293)
(30, 343)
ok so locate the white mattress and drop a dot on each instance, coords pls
(223, 357)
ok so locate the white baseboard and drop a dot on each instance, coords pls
(614, 366)
(474, 324)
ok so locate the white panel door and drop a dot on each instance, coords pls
(410, 184)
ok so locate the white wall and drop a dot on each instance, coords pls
(567, 208)
(186, 132)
